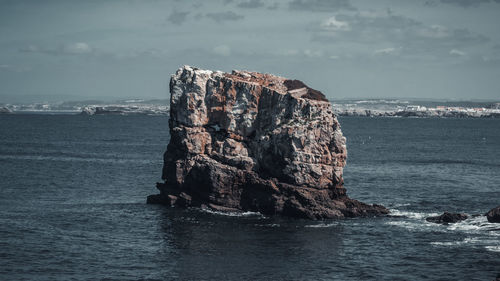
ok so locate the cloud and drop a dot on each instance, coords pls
(251, 4)
(456, 52)
(385, 51)
(364, 30)
(12, 68)
(220, 17)
(30, 49)
(468, 3)
(222, 50)
(306, 53)
(313, 53)
(289, 52)
(434, 31)
(78, 48)
(273, 6)
(177, 17)
(321, 5)
(333, 24)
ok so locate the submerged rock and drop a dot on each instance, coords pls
(493, 215)
(246, 141)
(447, 218)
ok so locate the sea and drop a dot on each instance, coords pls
(73, 207)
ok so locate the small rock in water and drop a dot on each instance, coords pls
(493, 215)
(447, 218)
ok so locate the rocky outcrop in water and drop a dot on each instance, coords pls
(447, 218)
(246, 141)
(493, 215)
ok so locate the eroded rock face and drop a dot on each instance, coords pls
(254, 142)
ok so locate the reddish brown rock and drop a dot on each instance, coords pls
(248, 141)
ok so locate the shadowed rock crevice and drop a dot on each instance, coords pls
(248, 141)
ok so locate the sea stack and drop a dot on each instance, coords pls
(247, 141)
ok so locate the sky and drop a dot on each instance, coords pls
(116, 49)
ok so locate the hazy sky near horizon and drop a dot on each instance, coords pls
(77, 50)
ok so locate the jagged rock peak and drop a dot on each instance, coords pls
(249, 141)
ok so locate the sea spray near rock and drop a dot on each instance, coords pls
(246, 141)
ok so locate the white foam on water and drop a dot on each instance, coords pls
(321, 225)
(411, 225)
(232, 214)
(468, 240)
(412, 215)
(493, 248)
(468, 225)
(476, 225)
(480, 232)
(401, 205)
(415, 221)
(444, 243)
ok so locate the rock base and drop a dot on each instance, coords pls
(269, 198)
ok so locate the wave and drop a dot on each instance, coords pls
(488, 244)
(467, 240)
(231, 214)
(321, 225)
(417, 220)
(479, 232)
(493, 248)
(412, 215)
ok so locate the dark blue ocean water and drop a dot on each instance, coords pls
(73, 192)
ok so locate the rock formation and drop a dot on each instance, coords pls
(447, 218)
(493, 215)
(246, 141)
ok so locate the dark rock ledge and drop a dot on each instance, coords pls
(493, 215)
(446, 218)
